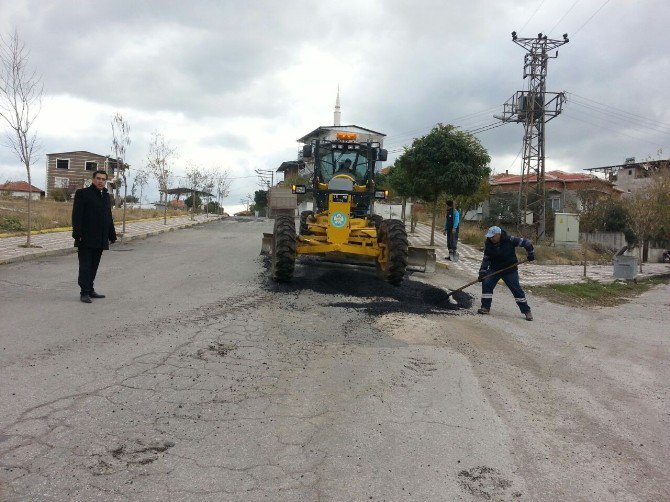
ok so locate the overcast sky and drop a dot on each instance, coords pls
(235, 83)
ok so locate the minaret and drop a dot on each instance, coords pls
(338, 113)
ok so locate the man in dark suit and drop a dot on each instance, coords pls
(92, 231)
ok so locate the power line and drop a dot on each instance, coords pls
(620, 110)
(632, 123)
(616, 131)
(563, 17)
(403, 135)
(479, 130)
(515, 158)
(533, 15)
(592, 16)
(401, 141)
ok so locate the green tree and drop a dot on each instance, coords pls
(469, 202)
(503, 209)
(189, 201)
(213, 207)
(260, 199)
(399, 185)
(445, 161)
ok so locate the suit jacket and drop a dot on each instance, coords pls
(92, 222)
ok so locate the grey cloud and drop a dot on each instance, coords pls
(420, 63)
(226, 140)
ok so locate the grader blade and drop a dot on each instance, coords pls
(266, 245)
(421, 259)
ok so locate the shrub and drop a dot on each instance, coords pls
(11, 224)
(61, 194)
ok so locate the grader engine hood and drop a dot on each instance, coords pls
(339, 209)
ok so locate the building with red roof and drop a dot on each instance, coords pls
(565, 191)
(21, 189)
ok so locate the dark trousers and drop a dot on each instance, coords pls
(511, 279)
(452, 240)
(89, 259)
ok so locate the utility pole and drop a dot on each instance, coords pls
(534, 107)
(266, 178)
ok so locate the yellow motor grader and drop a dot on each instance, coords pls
(342, 227)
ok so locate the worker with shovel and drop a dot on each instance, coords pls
(500, 262)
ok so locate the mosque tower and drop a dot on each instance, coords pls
(338, 112)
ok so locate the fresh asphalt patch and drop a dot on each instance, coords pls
(361, 282)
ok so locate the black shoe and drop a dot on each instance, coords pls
(96, 295)
(85, 299)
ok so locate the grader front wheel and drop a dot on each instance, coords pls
(393, 235)
(283, 249)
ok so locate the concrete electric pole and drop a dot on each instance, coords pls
(534, 107)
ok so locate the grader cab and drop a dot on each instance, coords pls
(342, 227)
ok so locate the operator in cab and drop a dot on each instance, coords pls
(345, 168)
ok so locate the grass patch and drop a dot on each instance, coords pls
(592, 293)
(49, 214)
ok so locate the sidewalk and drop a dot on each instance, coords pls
(62, 242)
(532, 274)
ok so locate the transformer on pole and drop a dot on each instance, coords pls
(534, 107)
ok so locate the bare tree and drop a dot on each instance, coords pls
(222, 182)
(649, 212)
(158, 163)
(21, 93)
(141, 179)
(120, 140)
(197, 179)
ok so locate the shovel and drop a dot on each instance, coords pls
(485, 277)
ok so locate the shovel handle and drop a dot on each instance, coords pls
(487, 276)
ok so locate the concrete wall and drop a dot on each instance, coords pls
(611, 240)
(617, 240)
(393, 211)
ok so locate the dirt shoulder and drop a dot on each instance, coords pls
(583, 392)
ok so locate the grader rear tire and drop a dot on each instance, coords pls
(283, 249)
(392, 233)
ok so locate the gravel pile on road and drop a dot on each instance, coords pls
(376, 296)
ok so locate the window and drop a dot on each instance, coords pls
(555, 203)
(630, 172)
(60, 182)
(62, 163)
(333, 158)
(91, 165)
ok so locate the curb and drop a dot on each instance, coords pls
(122, 240)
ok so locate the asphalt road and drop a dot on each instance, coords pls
(198, 379)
